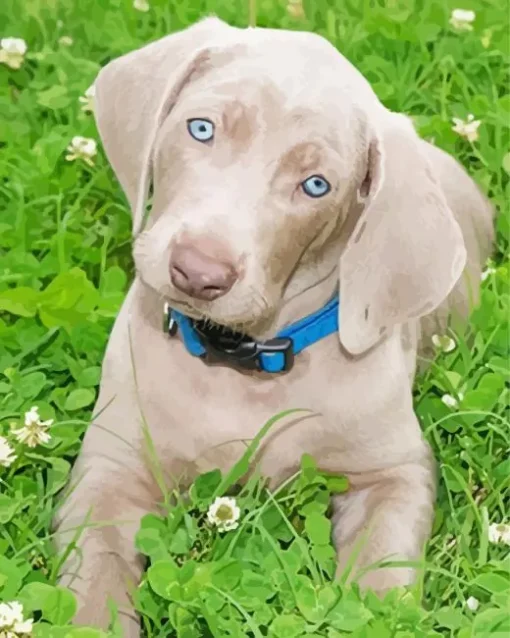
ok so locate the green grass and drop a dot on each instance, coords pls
(64, 269)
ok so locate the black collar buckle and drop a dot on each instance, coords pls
(243, 350)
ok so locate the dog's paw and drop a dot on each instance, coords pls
(380, 581)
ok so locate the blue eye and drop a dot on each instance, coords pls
(316, 186)
(201, 130)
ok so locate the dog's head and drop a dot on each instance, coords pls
(275, 173)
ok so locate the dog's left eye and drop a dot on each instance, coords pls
(201, 130)
(316, 186)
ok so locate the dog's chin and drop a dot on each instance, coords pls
(248, 316)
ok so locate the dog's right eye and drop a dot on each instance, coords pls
(202, 130)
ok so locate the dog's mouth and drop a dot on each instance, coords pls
(232, 330)
(219, 336)
(184, 307)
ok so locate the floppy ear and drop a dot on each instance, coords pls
(133, 95)
(407, 251)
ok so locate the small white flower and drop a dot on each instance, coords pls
(443, 342)
(82, 148)
(66, 41)
(87, 100)
(462, 19)
(505, 534)
(35, 431)
(499, 533)
(224, 513)
(32, 416)
(466, 128)
(472, 603)
(32, 436)
(23, 628)
(450, 401)
(12, 624)
(141, 5)
(7, 455)
(494, 533)
(12, 52)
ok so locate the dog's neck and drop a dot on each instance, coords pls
(298, 305)
(150, 305)
(311, 287)
(275, 354)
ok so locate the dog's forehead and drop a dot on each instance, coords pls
(296, 82)
(281, 72)
(301, 63)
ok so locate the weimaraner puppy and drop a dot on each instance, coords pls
(279, 182)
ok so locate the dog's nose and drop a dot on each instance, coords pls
(198, 275)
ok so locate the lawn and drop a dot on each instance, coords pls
(65, 266)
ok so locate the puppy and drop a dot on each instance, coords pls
(281, 188)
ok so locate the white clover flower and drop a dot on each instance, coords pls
(462, 19)
(505, 534)
(295, 8)
(224, 513)
(66, 41)
(450, 401)
(12, 624)
(466, 128)
(499, 533)
(443, 342)
(82, 148)
(472, 603)
(141, 5)
(494, 534)
(12, 52)
(7, 455)
(32, 416)
(35, 431)
(87, 100)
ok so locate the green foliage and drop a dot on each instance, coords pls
(272, 576)
(64, 269)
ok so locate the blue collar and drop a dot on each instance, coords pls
(272, 355)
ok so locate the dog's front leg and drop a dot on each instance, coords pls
(387, 515)
(118, 489)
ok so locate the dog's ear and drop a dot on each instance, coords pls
(407, 251)
(133, 95)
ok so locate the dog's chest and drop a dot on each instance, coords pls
(206, 415)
